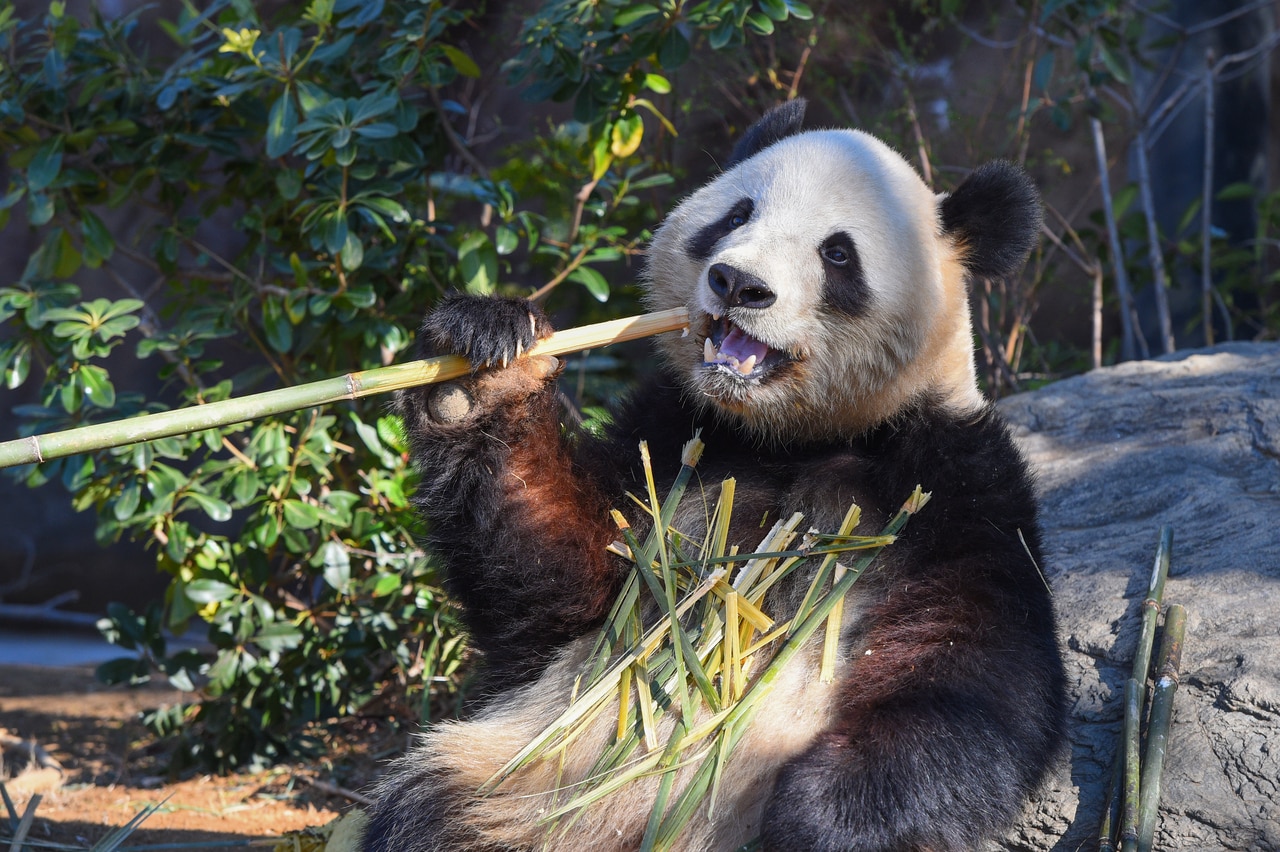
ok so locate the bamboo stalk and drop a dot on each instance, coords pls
(165, 424)
(1132, 722)
(1151, 606)
(1169, 662)
(1141, 662)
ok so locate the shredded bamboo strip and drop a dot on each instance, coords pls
(165, 424)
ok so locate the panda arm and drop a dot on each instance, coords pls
(952, 706)
(948, 720)
(520, 525)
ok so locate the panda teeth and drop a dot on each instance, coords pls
(745, 367)
(708, 351)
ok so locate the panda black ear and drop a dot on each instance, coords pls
(994, 216)
(778, 123)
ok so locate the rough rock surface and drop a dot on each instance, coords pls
(1192, 441)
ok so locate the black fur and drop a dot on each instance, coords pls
(995, 214)
(488, 331)
(775, 125)
(701, 244)
(845, 286)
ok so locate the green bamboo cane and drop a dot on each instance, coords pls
(1141, 662)
(1132, 719)
(1169, 662)
(165, 424)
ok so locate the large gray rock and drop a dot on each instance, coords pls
(1192, 441)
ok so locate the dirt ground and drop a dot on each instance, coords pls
(111, 770)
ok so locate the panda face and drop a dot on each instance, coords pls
(823, 294)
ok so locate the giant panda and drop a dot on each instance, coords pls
(830, 361)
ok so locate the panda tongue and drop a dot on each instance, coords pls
(739, 345)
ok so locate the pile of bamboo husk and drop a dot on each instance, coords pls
(1133, 799)
(709, 659)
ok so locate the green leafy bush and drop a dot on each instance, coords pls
(278, 201)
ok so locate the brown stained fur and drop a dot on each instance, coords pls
(548, 497)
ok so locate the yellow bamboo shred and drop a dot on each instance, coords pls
(624, 702)
(746, 609)
(724, 512)
(732, 676)
(769, 638)
(827, 672)
(644, 700)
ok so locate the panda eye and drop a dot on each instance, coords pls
(835, 255)
(737, 220)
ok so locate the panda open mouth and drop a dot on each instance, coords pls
(730, 349)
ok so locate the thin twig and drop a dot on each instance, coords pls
(335, 790)
(33, 751)
(459, 147)
(1113, 239)
(922, 150)
(1155, 253)
(1206, 204)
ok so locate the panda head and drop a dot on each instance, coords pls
(826, 284)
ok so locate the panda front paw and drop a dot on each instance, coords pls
(488, 330)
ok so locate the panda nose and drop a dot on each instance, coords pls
(739, 289)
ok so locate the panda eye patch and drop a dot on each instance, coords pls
(844, 284)
(740, 214)
(702, 243)
(838, 250)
